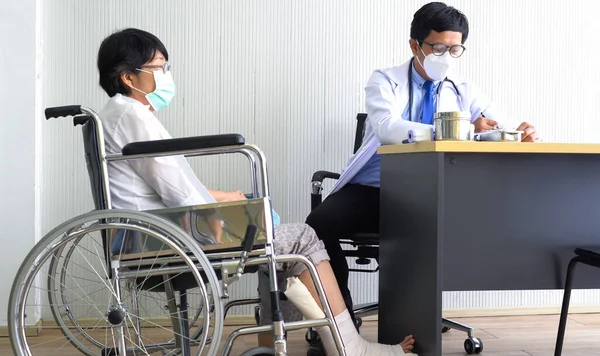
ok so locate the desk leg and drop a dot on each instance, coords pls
(410, 288)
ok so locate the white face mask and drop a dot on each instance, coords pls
(437, 67)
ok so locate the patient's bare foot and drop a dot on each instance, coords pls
(408, 344)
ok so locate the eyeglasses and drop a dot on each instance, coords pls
(439, 49)
(165, 67)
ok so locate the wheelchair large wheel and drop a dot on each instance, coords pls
(64, 306)
(105, 312)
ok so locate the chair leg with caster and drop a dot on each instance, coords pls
(311, 336)
(473, 345)
(564, 312)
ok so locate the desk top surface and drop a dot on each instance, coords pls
(491, 147)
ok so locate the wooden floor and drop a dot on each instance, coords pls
(506, 336)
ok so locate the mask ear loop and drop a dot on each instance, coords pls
(417, 57)
(143, 71)
(132, 87)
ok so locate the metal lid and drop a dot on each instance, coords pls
(452, 115)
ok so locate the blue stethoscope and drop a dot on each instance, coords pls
(437, 92)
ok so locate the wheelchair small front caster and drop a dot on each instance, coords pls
(257, 314)
(311, 336)
(473, 345)
(111, 351)
(445, 329)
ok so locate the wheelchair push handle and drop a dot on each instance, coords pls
(80, 120)
(62, 111)
(249, 238)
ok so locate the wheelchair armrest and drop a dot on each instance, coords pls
(184, 143)
(320, 176)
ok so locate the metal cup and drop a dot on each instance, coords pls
(453, 126)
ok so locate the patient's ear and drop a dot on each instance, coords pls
(127, 79)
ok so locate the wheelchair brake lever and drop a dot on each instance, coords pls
(247, 244)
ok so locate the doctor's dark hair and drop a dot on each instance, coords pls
(123, 52)
(438, 17)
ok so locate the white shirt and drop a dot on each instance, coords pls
(149, 183)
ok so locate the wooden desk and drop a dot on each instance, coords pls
(491, 147)
(461, 216)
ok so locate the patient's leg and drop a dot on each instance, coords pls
(304, 296)
(288, 310)
(301, 239)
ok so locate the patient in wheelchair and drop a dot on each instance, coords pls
(134, 72)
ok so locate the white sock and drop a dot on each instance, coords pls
(298, 294)
(354, 344)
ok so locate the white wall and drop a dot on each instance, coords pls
(20, 168)
(289, 75)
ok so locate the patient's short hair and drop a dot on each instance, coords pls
(123, 52)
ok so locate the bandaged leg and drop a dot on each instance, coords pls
(354, 344)
(297, 293)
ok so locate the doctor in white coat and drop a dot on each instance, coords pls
(399, 99)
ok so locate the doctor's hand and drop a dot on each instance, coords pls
(484, 124)
(529, 132)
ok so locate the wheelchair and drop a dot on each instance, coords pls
(121, 282)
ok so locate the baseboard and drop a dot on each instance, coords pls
(515, 311)
(31, 330)
(510, 311)
(237, 320)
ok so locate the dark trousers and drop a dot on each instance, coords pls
(353, 209)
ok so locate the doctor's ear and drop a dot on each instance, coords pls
(414, 46)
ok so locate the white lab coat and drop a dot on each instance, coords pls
(387, 96)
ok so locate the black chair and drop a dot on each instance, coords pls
(365, 248)
(586, 257)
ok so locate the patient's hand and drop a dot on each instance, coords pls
(235, 195)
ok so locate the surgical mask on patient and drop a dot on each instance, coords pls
(164, 92)
(437, 67)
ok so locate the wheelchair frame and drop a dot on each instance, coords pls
(231, 263)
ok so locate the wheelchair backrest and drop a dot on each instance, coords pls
(93, 156)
